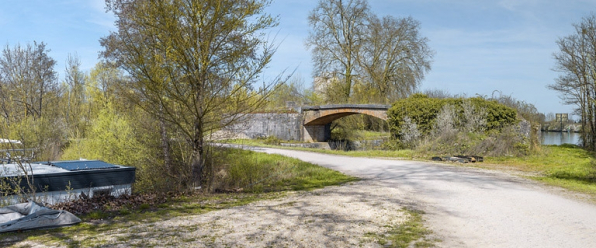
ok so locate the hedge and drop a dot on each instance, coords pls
(424, 110)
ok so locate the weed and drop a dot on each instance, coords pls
(408, 234)
(97, 215)
(124, 211)
(144, 206)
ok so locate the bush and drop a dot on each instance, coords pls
(272, 140)
(423, 111)
(469, 137)
(124, 140)
(409, 132)
(463, 127)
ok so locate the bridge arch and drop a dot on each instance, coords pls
(317, 119)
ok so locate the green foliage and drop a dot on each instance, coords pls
(111, 138)
(358, 128)
(424, 110)
(43, 134)
(291, 91)
(272, 140)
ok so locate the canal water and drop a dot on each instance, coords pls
(558, 138)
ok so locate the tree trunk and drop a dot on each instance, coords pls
(165, 144)
(198, 159)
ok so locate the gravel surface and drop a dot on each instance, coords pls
(337, 216)
(469, 207)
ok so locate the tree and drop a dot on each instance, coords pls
(576, 60)
(291, 91)
(26, 75)
(357, 53)
(29, 99)
(75, 81)
(394, 57)
(192, 63)
(104, 86)
(336, 37)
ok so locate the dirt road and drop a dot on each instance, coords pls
(474, 208)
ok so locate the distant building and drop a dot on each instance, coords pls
(322, 83)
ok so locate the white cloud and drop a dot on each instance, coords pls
(518, 5)
(98, 5)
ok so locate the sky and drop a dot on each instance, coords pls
(482, 47)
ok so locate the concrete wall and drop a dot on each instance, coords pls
(285, 126)
(316, 133)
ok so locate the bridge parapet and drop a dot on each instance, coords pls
(347, 106)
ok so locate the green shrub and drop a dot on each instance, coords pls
(272, 140)
(423, 111)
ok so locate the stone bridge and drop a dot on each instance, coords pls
(317, 119)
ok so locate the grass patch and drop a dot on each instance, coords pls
(549, 159)
(371, 135)
(411, 233)
(566, 166)
(250, 171)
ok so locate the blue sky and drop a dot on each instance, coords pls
(481, 46)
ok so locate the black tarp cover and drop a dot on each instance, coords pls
(31, 215)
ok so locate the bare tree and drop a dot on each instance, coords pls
(394, 57)
(337, 31)
(26, 75)
(193, 63)
(549, 117)
(438, 93)
(377, 59)
(75, 80)
(576, 60)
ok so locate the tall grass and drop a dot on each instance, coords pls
(242, 170)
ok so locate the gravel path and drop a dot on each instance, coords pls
(469, 207)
